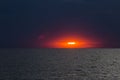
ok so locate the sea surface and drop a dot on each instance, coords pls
(59, 64)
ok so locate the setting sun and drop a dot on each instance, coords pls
(71, 43)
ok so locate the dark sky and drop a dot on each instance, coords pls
(24, 21)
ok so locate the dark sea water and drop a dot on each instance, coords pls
(60, 64)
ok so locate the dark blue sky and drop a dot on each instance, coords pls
(23, 21)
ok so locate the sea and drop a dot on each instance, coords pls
(59, 64)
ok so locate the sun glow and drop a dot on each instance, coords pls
(71, 43)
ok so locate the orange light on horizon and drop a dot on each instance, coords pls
(71, 43)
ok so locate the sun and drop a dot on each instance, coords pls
(71, 43)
